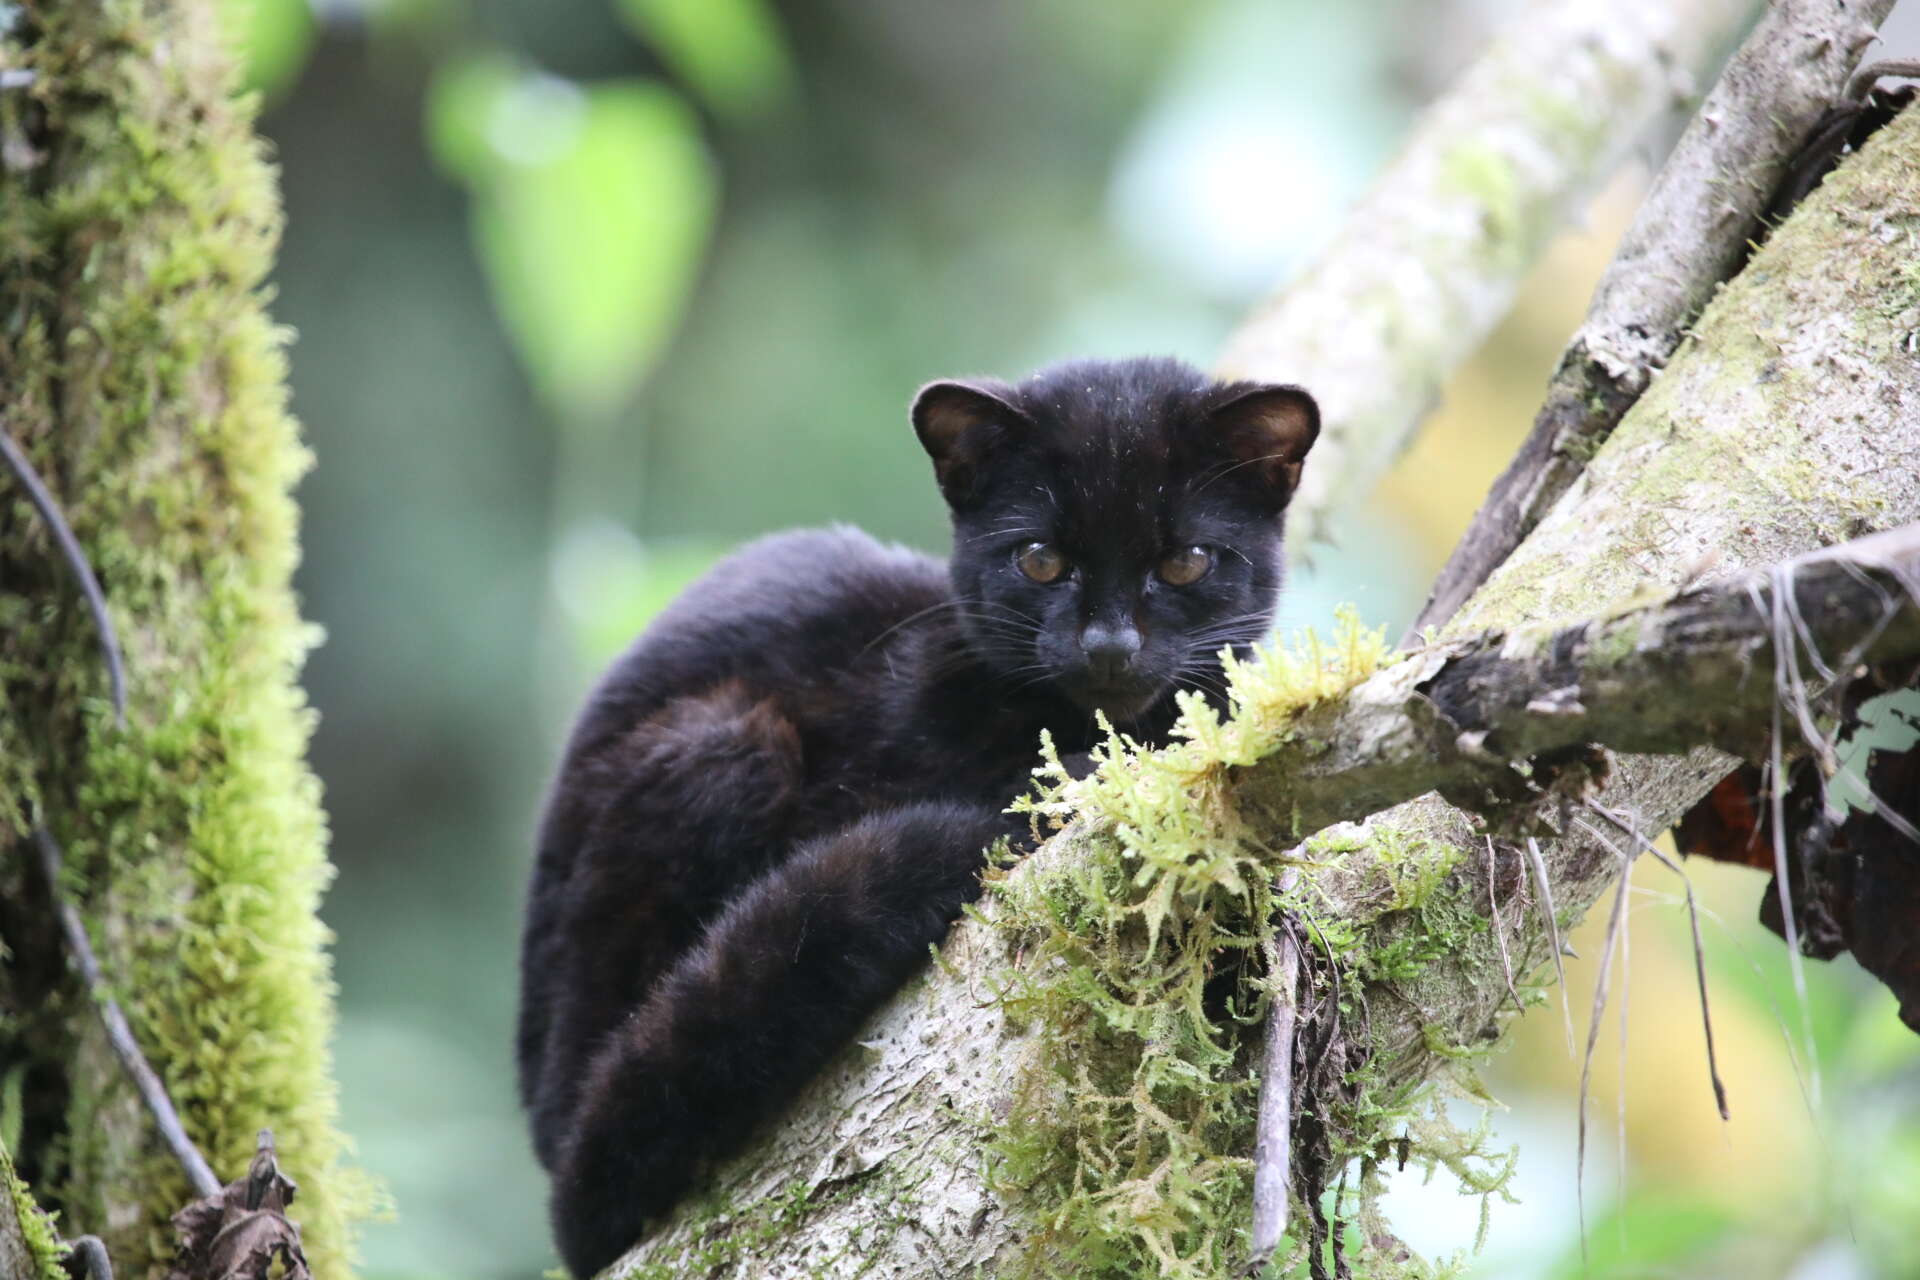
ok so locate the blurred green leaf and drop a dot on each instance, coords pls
(591, 211)
(729, 50)
(1885, 1172)
(272, 36)
(460, 100)
(610, 584)
(415, 19)
(1650, 1235)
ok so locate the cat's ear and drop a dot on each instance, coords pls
(961, 425)
(1267, 431)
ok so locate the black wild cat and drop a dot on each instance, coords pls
(779, 797)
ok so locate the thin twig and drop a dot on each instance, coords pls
(1699, 949)
(1620, 1064)
(1545, 889)
(1874, 72)
(1796, 963)
(1586, 1065)
(88, 1259)
(1273, 1134)
(119, 1034)
(42, 499)
(1499, 931)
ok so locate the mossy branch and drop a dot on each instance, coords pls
(1430, 260)
(1480, 720)
(1058, 1094)
(1692, 232)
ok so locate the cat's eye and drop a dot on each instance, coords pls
(1041, 561)
(1186, 566)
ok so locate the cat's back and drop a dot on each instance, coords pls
(785, 611)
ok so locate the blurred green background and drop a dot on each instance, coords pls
(588, 291)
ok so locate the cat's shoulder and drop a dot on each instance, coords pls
(838, 572)
(781, 610)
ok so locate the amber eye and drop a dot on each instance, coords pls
(1041, 561)
(1186, 566)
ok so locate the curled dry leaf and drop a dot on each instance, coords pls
(1729, 824)
(1861, 879)
(1854, 877)
(243, 1233)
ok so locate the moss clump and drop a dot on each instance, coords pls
(44, 1250)
(146, 382)
(1141, 958)
(1144, 953)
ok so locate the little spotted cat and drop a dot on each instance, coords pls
(778, 798)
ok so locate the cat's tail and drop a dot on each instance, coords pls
(731, 1033)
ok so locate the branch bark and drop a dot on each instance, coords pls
(1690, 671)
(1692, 232)
(1432, 257)
(1789, 421)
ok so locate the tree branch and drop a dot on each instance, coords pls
(1430, 260)
(1464, 717)
(1692, 232)
(1790, 421)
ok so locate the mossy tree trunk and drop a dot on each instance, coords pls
(144, 381)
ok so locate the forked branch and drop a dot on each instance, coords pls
(1692, 232)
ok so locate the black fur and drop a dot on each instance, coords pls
(778, 798)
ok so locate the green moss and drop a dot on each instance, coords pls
(1144, 954)
(44, 1249)
(1615, 642)
(147, 383)
(1482, 174)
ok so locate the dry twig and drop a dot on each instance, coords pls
(119, 1034)
(76, 560)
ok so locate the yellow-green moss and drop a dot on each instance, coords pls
(1144, 955)
(1480, 172)
(44, 1250)
(1128, 1138)
(146, 382)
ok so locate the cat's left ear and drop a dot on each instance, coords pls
(961, 425)
(1267, 430)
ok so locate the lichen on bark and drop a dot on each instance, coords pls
(138, 218)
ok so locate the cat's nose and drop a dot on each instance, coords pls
(1109, 649)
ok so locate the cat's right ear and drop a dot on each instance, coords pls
(961, 425)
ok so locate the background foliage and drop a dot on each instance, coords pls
(590, 290)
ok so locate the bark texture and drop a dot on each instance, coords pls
(1790, 420)
(1694, 670)
(145, 383)
(1432, 257)
(1692, 232)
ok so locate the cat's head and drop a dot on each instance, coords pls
(1115, 523)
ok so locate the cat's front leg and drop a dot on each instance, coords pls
(734, 1030)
